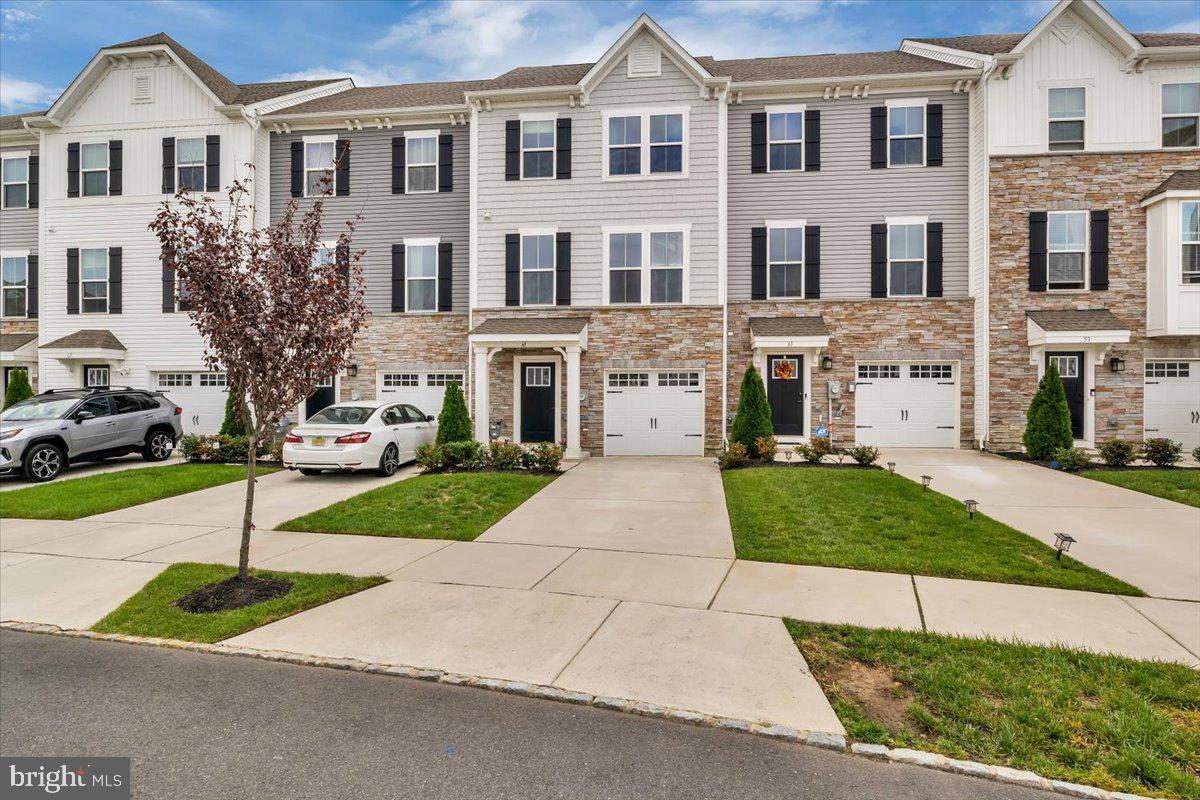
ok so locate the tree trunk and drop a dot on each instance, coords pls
(251, 462)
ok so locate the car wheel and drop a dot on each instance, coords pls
(158, 446)
(43, 462)
(389, 462)
(307, 471)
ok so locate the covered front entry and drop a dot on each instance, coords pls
(1173, 401)
(785, 394)
(654, 413)
(785, 352)
(1070, 366)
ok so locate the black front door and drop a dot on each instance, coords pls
(319, 399)
(1070, 369)
(785, 394)
(537, 402)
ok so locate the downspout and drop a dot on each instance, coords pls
(472, 245)
(723, 248)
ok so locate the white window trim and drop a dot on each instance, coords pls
(788, 109)
(907, 102)
(1162, 115)
(16, 254)
(1087, 241)
(552, 233)
(437, 177)
(204, 161)
(107, 165)
(645, 113)
(645, 230)
(783, 224)
(324, 139)
(1183, 240)
(424, 242)
(15, 156)
(924, 223)
(540, 117)
(107, 279)
(1087, 87)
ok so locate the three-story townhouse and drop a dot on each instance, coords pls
(19, 206)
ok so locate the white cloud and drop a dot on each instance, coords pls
(13, 24)
(21, 95)
(363, 74)
(1191, 26)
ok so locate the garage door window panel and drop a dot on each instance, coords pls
(872, 371)
(628, 379)
(396, 380)
(679, 379)
(443, 378)
(1066, 246)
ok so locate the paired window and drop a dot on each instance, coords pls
(1067, 109)
(637, 259)
(189, 164)
(320, 160)
(537, 148)
(785, 140)
(1180, 114)
(93, 165)
(1066, 249)
(1191, 241)
(785, 262)
(646, 144)
(906, 134)
(14, 172)
(537, 269)
(906, 259)
(420, 161)
(14, 277)
(93, 278)
(420, 276)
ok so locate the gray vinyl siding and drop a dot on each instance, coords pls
(19, 226)
(846, 196)
(387, 218)
(586, 203)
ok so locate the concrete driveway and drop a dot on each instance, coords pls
(1149, 542)
(85, 468)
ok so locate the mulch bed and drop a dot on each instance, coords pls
(233, 593)
(760, 464)
(1022, 457)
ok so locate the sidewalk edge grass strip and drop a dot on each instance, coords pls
(1178, 484)
(825, 741)
(459, 506)
(1116, 723)
(111, 491)
(150, 613)
(868, 519)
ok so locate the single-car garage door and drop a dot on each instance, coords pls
(1173, 401)
(201, 395)
(654, 413)
(906, 404)
(425, 390)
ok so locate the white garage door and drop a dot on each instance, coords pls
(1173, 401)
(425, 390)
(201, 395)
(654, 414)
(906, 404)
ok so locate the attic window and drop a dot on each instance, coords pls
(645, 59)
(143, 87)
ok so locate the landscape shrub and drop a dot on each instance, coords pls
(864, 454)
(505, 455)
(1196, 454)
(733, 456)
(1072, 459)
(220, 449)
(545, 456)
(1048, 421)
(1118, 452)
(814, 451)
(462, 455)
(753, 417)
(18, 387)
(431, 457)
(232, 425)
(765, 447)
(1162, 452)
(454, 423)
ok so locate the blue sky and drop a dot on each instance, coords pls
(44, 43)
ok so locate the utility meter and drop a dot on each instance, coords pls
(835, 388)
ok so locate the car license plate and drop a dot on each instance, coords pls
(318, 441)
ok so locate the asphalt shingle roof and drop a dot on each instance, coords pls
(1184, 179)
(1078, 319)
(788, 326)
(991, 44)
(530, 325)
(404, 95)
(11, 341)
(102, 338)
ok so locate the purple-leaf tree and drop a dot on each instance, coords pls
(277, 307)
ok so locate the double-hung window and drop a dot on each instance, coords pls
(93, 277)
(625, 267)
(641, 258)
(906, 259)
(906, 133)
(93, 164)
(14, 172)
(420, 161)
(420, 275)
(320, 160)
(666, 143)
(1067, 109)
(785, 139)
(1066, 248)
(537, 269)
(326, 253)
(537, 148)
(666, 267)
(14, 278)
(646, 143)
(625, 145)
(189, 164)
(785, 261)
(1191, 241)
(1180, 114)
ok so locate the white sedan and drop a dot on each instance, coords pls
(367, 434)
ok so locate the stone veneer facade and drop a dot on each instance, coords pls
(1113, 181)
(932, 328)
(400, 342)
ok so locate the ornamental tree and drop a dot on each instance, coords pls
(1048, 421)
(454, 423)
(276, 312)
(18, 387)
(753, 417)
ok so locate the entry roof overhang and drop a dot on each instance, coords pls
(788, 332)
(18, 348)
(86, 345)
(1095, 326)
(523, 332)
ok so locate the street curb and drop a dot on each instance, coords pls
(826, 741)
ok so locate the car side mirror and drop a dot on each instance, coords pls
(430, 418)
(83, 415)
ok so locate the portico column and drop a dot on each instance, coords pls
(482, 432)
(573, 424)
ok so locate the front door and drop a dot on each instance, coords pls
(1070, 369)
(322, 397)
(537, 402)
(785, 394)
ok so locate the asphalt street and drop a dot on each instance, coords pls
(201, 726)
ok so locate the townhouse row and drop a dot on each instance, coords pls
(900, 241)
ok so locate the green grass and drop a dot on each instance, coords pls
(1111, 722)
(441, 506)
(1172, 483)
(73, 498)
(150, 613)
(871, 520)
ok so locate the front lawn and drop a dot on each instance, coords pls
(150, 612)
(1116, 723)
(439, 506)
(109, 491)
(1172, 483)
(869, 519)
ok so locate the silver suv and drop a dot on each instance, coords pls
(42, 435)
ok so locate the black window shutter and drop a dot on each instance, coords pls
(758, 141)
(342, 169)
(512, 269)
(445, 273)
(168, 284)
(1037, 251)
(812, 140)
(342, 259)
(879, 277)
(73, 280)
(445, 162)
(168, 165)
(114, 280)
(933, 259)
(812, 262)
(758, 263)
(933, 135)
(212, 163)
(298, 169)
(31, 292)
(398, 276)
(114, 167)
(562, 269)
(73, 169)
(398, 167)
(512, 150)
(34, 166)
(562, 148)
(879, 138)
(1099, 254)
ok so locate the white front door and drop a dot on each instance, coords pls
(425, 390)
(906, 404)
(1173, 402)
(654, 413)
(201, 395)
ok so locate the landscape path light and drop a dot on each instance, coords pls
(1062, 543)
(971, 506)
(925, 479)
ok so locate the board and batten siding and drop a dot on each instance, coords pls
(846, 196)
(585, 203)
(19, 226)
(387, 218)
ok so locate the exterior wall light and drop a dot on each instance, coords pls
(1062, 543)
(1116, 364)
(827, 362)
(352, 371)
